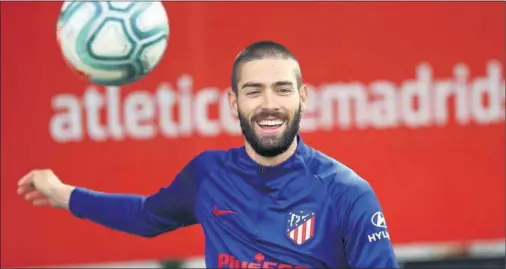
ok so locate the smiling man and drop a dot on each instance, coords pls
(274, 203)
(268, 97)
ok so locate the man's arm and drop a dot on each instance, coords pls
(170, 208)
(366, 239)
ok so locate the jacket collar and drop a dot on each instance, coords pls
(278, 178)
(294, 162)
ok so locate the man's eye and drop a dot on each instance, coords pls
(252, 92)
(285, 90)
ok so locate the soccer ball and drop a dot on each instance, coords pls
(113, 43)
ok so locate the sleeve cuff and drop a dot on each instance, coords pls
(77, 202)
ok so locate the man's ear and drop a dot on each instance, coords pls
(232, 102)
(303, 97)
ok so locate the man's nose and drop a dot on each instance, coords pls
(270, 101)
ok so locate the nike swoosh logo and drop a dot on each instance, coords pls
(218, 212)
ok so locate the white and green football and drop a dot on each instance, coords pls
(110, 42)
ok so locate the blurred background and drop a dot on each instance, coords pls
(409, 95)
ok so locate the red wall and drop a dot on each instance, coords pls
(437, 166)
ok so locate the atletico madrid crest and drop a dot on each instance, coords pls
(300, 226)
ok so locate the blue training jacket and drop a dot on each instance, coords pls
(308, 212)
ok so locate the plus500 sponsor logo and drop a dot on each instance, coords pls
(229, 261)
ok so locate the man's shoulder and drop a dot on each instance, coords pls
(339, 179)
(210, 157)
(214, 159)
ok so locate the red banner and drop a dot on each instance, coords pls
(410, 95)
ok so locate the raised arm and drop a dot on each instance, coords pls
(168, 209)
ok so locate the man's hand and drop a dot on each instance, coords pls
(44, 188)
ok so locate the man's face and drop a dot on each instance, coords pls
(269, 104)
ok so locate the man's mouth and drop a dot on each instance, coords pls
(270, 124)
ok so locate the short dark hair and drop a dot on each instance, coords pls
(261, 50)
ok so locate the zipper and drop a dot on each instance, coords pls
(260, 209)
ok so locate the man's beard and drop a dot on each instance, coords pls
(270, 146)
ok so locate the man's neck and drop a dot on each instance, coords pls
(271, 161)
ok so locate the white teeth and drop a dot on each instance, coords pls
(270, 122)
